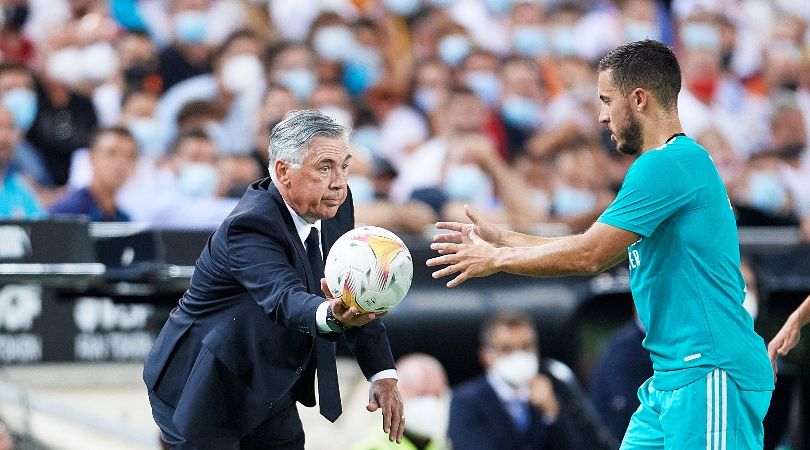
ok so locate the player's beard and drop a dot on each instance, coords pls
(629, 138)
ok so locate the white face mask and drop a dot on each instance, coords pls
(243, 74)
(99, 61)
(517, 368)
(198, 180)
(426, 416)
(340, 114)
(65, 66)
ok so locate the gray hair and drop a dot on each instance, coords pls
(290, 138)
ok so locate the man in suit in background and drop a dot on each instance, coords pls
(248, 335)
(512, 406)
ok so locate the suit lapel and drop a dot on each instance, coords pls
(496, 411)
(312, 284)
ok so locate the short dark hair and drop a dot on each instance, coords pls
(117, 130)
(194, 133)
(508, 319)
(646, 64)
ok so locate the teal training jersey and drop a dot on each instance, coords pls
(685, 269)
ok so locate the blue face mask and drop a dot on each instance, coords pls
(426, 99)
(149, 134)
(453, 49)
(334, 42)
(22, 102)
(362, 190)
(530, 40)
(636, 30)
(367, 137)
(362, 71)
(520, 112)
(766, 193)
(190, 27)
(402, 7)
(701, 35)
(570, 201)
(198, 180)
(564, 41)
(498, 7)
(465, 182)
(300, 81)
(486, 85)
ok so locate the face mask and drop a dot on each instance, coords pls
(426, 99)
(198, 180)
(766, 193)
(465, 182)
(636, 30)
(362, 71)
(341, 115)
(486, 85)
(564, 41)
(516, 368)
(216, 132)
(334, 42)
(22, 102)
(426, 416)
(362, 190)
(453, 49)
(751, 304)
(402, 7)
(243, 74)
(14, 17)
(441, 3)
(300, 81)
(99, 61)
(190, 27)
(570, 201)
(701, 36)
(149, 134)
(498, 7)
(367, 137)
(520, 112)
(65, 66)
(530, 40)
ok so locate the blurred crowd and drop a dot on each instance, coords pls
(160, 110)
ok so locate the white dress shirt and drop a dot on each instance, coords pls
(303, 228)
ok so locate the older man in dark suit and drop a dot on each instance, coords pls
(249, 334)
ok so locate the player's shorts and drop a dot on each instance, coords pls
(712, 413)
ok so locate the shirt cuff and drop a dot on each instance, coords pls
(387, 373)
(320, 318)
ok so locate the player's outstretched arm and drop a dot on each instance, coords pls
(486, 231)
(589, 253)
(790, 333)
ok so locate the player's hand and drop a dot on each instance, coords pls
(460, 231)
(348, 317)
(384, 394)
(784, 341)
(542, 397)
(473, 259)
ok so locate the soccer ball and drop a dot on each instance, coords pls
(369, 268)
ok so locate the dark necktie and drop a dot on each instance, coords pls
(328, 390)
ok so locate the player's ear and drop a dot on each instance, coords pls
(639, 98)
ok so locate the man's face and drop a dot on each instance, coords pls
(505, 340)
(113, 158)
(9, 137)
(317, 188)
(617, 114)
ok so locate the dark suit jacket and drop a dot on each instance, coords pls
(243, 333)
(480, 421)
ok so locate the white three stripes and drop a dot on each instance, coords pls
(716, 410)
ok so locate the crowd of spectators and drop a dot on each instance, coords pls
(486, 102)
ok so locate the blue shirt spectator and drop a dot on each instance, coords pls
(82, 202)
(17, 201)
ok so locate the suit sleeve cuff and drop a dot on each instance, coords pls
(387, 373)
(320, 318)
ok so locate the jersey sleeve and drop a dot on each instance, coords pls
(655, 187)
